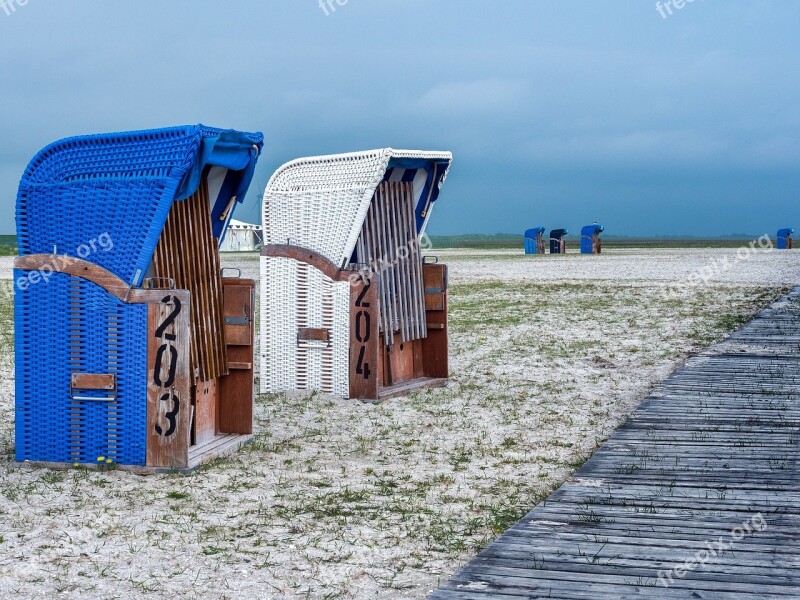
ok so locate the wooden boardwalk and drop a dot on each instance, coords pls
(716, 447)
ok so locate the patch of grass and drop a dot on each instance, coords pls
(6, 321)
(176, 495)
(8, 245)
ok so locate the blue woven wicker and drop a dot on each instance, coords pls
(120, 184)
(73, 192)
(66, 326)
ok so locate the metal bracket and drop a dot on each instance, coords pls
(151, 283)
(237, 320)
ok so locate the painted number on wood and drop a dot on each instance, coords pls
(166, 364)
(363, 331)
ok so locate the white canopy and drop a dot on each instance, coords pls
(320, 203)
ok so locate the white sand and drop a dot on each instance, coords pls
(337, 499)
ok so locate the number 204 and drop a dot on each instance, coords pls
(363, 331)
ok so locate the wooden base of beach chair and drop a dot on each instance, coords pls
(218, 447)
(408, 387)
(188, 421)
(373, 368)
(403, 366)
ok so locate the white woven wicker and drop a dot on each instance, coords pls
(294, 295)
(320, 202)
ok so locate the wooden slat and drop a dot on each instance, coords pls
(240, 366)
(187, 253)
(388, 244)
(206, 400)
(399, 238)
(415, 260)
(377, 259)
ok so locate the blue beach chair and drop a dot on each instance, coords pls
(534, 241)
(590, 239)
(121, 343)
(558, 245)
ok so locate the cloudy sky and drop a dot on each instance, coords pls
(558, 112)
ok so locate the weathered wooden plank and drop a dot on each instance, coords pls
(742, 553)
(609, 544)
(569, 574)
(553, 583)
(569, 528)
(365, 342)
(786, 482)
(168, 382)
(206, 401)
(570, 565)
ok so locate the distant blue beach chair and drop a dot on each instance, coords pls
(590, 239)
(558, 245)
(534, 241)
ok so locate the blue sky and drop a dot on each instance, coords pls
(559, 113)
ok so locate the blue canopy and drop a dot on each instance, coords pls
(430, 172)
(534, 232)
(532, 240)
(122, 185)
